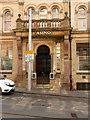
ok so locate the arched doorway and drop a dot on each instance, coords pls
(43, 64)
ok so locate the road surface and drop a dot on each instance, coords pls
(20, 105)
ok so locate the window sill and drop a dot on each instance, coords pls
(58, 71)
(83, 72)
(6, 71)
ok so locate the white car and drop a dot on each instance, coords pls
(6, 85)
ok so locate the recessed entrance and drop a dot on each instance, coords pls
(43, 64)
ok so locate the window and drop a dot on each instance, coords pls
(58, 56)
(83, 86)
(81, 10)
(7, 21)
(55, 12)
(33, 13)
(6, 57)
(83, 56)
(82, 21)
(43, 13)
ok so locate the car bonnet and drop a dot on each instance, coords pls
(9, 81)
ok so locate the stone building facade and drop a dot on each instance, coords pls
(60, 41)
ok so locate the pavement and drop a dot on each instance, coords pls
(54, 92)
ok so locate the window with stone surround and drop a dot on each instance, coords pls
(7, 20)
(43, 13)
(83, 56)
(82, 18)
(33, 13)
(6, 55)
(55, 12)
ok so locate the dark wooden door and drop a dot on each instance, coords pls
(43, 65)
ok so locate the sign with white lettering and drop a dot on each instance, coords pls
(29, 55)
(43, 33)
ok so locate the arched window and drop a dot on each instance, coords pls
(43, 13)
(7, 20)
(81, 10)
(82, 18)
(55, 12)
(33, 13)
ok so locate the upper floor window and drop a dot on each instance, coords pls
(81, 11)
(82, 18)
(7, 21)
(55, 12)
(33, 13)
(43, 13)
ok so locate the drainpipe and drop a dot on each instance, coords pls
(70, 40)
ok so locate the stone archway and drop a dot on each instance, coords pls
(43, 64)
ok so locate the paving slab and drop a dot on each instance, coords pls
(56, 92)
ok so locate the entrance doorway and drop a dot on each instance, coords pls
(43, 64)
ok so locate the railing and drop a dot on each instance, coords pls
(42, 23)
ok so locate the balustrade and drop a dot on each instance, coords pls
(43, 23)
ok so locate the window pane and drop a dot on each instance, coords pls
(83, 56)
(81, 10)
(82, 19)
(83, 63)
(82, 23)
(33, 13)
(55, 10)
(43, 13)
(55, 13)
(7, 21)
(6, 62)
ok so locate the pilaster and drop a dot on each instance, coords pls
(20, 74)
(66, 79)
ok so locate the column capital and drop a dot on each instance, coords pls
(66, 37)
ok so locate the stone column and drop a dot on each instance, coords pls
(20, 74)
(66, 62)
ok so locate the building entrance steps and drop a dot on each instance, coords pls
(54, 84)
(54, 88)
